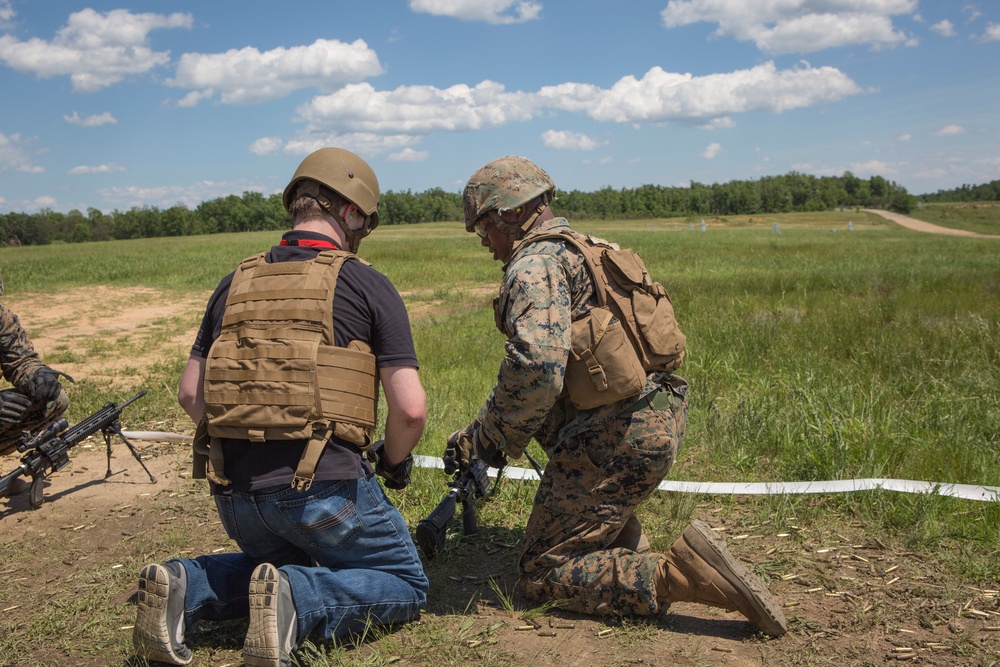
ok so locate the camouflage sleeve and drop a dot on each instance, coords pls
(18, 358)
(536, 311)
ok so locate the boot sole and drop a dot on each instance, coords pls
(260, 649)
(766, 614)
(151, 634)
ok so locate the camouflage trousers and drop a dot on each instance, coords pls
(582, 541)
(36, 418)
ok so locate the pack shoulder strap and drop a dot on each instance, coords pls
(591, 258)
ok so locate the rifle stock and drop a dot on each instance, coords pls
(6, 480)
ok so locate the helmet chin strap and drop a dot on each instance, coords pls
(354, 236)
(518, 234)
(542, 205)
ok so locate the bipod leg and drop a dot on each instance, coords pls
(107, 443)
(114, 428)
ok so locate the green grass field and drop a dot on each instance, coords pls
(979, 217)
(816, 353)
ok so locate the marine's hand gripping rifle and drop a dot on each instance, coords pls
(48, 450)
(466, 488)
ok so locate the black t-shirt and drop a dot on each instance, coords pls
(366, 307)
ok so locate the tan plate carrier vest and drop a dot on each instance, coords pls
(274, 372)
(632, 332)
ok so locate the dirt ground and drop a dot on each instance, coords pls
(851, 598)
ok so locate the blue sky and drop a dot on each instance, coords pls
(112, 105)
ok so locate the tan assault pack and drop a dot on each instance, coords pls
(632, 332)
(274, 372)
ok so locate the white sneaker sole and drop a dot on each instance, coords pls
(151, 634)
(261, 647)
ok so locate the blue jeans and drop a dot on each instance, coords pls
(345, 548)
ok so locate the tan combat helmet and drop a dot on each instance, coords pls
(346, 174)
(503, 185)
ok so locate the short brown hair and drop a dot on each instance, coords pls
(306, 206)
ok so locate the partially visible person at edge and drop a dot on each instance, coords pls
(330, 557)
(36, 398)
(583, 543)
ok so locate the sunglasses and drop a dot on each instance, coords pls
(482, 226)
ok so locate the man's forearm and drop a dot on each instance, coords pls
(401, 436)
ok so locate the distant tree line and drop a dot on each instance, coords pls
(255, 212)
(985, 192)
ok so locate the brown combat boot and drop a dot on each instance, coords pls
(700, 568)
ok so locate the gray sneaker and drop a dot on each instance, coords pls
(271, 637)
(159, 622)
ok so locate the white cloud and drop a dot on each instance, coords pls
(490, 11)
(564, 140)
(711, 150)
(266, 145)
(166, 196)
(194, 97)
(417, 109)
(110, 168)
(950, 131)
(91, 121)
(362, 143)
(662, 96)
(873, 168)
(796, 26)
(972, 11)
(719, 123)
(992, 33)
(7, 15)
(944, 28)
(14, 155)
(407, 113)
(95, 50)
(249, 76)
(409, 155)
(904, 137)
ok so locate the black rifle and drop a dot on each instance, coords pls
(48, 450)
(465, 488)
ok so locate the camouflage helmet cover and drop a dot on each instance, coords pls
(343, 172)
(503, 185)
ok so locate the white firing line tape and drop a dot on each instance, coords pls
(966, 491)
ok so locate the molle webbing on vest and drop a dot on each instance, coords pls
(274, 373)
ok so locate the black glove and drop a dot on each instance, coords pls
(396, 477)
(13, 406)
(44, 385)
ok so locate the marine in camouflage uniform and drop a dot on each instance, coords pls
(36, 397)
(583, 544)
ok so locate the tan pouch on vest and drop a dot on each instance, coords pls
(603, 366)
